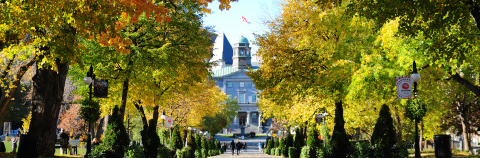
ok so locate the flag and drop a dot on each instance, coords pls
(245, 20)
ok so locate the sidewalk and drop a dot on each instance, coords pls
(252, 148)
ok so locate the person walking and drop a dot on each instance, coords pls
(245, 146)
(238, 146)
(259, 147)
(232, 145)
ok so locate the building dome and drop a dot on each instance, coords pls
(242, 39)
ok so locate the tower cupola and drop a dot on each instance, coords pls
(242, 55)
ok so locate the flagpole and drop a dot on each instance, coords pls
(241, 28)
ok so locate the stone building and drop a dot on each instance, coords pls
(230, 76)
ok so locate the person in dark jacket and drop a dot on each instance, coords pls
(238, 146)
(232, 145)
(245, 146)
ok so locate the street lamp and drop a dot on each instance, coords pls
(89, 81)
(415, 78)
(163, 118)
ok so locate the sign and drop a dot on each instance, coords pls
(7, 127)
(274, 135)
(318, 118)
(100, 88)
(168, 121)
(404, 87)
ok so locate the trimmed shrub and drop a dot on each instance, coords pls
(402, 151)
(299, 142)
(272, 151)
(116, 138)
(305, 153)
(135, 150)
(204, 145)
(361, 150)
(288, 144)
(164, 152)
(291, 152)
(152, 140)
(325, 152)
(339, 142)
(384, 132)
(277, 151)
(276, 143)
(377, 151)
(191, 142)
(198, 153)
(204, 153)
(98, 152)
(176, 141)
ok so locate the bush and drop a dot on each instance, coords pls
(384, 131)
(361, 150)
(272, 151)
(288, 144)
(339, 142)
(198, 141)
(402, 151)
(153, 141)
(176, 140)
(305, 153)
(204, 153)
(325, 152)
(191, 144)
(164, 152)
(183, 153)
(291, 152)
(277, 152)
(98, 152)
(198, 153)
(204, 145)
(276, 143)
(299, 142)
(135, 150)
(116, 138)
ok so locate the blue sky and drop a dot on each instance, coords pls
(229, 21)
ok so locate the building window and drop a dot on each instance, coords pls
(241, 52)
(242, 98)
(230, 84)
(254, 115)
(254, 98)
(242, 84)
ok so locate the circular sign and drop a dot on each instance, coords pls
(404, 87)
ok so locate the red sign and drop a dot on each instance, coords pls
(404, 88)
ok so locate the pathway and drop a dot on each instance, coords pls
(252, 148)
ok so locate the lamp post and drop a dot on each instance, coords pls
(89, 81)
(415, 78)
(163, 118)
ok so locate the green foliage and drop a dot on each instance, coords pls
(312, 140)
(281, 142)
(98, 152)
(401, 151)
(325, 152)
(276, 143)
(176, 141)
(299, 141)
(90, 110)
(164, 135)
(272, 151)
(384, 132)
(182, 153)
(361, 150)
(204, 144)
(415, 109)
(377, 151)
(221, 119)
(204, 153)
(339, 142)
(198, 141)
(216, 144)
(277, 152)
(164, 152)
(116, 137)
(305, 153)
(288, 143)
(135, 150)
(198, 153)
(291, 152)
(191, 144)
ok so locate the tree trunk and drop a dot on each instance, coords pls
(124, 100)
(99, 129)
(47, 97)
(466, 139)
(399, 130)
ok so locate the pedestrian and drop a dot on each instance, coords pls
(259, 147)
(263, 145)
(14, 145)
(245, 146)
(232, 145)
(18, 133)
(238, 146)
(63, 135)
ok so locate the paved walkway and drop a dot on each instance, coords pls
(252, 148)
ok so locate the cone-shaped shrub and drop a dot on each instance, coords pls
(384, 132)
(276, 142)
(176, 141)
(339, 142)
(198, 141)
(153, 140)
(116, 137)
(191, 144)
(288, 143)
(299, 142)
(205, 144)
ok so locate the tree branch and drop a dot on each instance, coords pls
(466, 83)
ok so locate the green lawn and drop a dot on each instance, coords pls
(8, 146)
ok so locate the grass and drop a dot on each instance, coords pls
(8, 146)
(430, 152)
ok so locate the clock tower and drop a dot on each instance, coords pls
(242, 55)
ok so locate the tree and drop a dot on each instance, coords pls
(384, 132)
(70, 121)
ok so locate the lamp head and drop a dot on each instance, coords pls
(162, 117)
(415, 77)
(87, 80)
